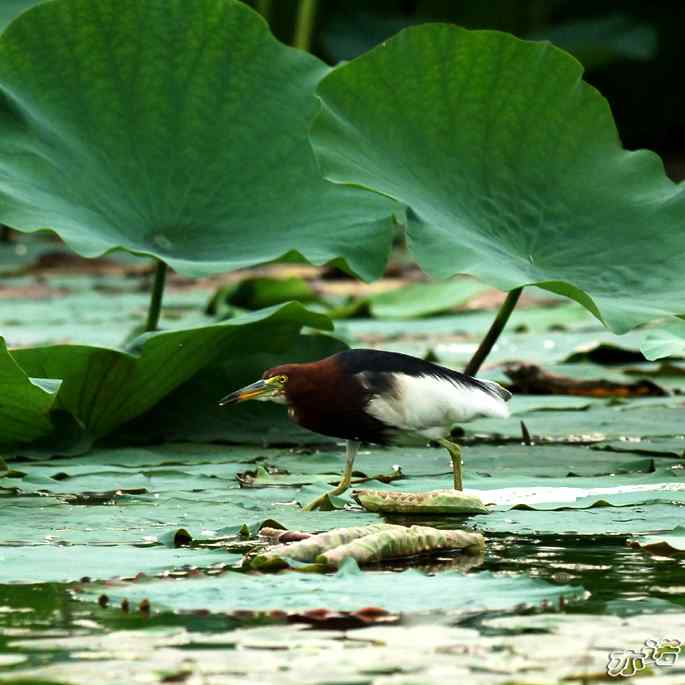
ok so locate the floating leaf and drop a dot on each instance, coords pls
(347, 590)
(668, 341)
(50, 563)
(143, 135)
(422, 299)
(554, 498)
(511, 166)
(646, 417)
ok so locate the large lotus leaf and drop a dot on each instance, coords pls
(26, 402)
(104, 387)
(191, 412)
(174, 129)
(512, 168)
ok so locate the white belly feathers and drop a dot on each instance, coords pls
(430, 405)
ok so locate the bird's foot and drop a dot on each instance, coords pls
(322, 502)
(316, 504)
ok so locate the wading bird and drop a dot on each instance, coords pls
(376, 397)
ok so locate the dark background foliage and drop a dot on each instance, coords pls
(632, 51)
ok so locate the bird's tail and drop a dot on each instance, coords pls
(495, 389)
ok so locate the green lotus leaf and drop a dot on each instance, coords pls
(104, 387)
(173, 129)
(667, 341)
(512, 169)
(26, 402)
(191, 411)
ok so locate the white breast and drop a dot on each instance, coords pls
(430, 406)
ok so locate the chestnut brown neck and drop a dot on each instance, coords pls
(325, 399)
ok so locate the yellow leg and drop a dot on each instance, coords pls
(352, 446)
(455, 456)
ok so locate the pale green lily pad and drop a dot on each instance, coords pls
(423, 299)
(57, 563)
(638, 418)
(570, 317)
(556, 498)
(344, 591)
(84, 314)
(668, 341)
(661, 447)
(590, 521)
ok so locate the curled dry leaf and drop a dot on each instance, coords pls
(392, 542)
(279, 535)
(529, 379)
(367, 544)
(307, 550)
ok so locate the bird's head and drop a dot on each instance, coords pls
(271, 386)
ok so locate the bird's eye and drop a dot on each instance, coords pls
(283, 379)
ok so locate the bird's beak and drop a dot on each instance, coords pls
(262, 389)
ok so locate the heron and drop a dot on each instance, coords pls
(377, 397)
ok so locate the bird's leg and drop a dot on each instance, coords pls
(455, 456)
(351, 453)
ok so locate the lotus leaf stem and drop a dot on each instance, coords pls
(493, 334)
(304, 24)
(156, 297)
